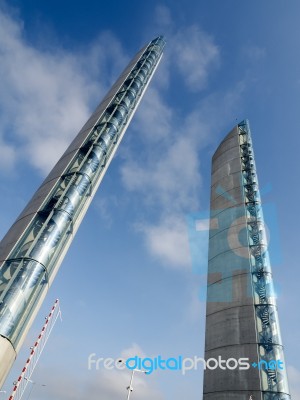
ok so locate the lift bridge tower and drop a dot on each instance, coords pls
(241, 312)
(32, 250)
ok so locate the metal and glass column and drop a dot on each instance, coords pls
(241, 313)
(34, 247)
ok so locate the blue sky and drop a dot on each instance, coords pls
(127, 284)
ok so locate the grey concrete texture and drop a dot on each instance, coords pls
(241, 312)
(233, 197)
(230, 292)
(233, 238)
(225, 266)
(230, 395)
(224, 218)
(218, 380)
(230, 313)
(233, 165)
(229, 153)
(230, 140)
(229, 182)
(235, 322)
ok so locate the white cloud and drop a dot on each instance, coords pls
(153, 109)
(103, 207)
(108, 384)
(113, 385)
(167, 172)
(190, 51)
(170, 178)
(133, 350)
(8, 156)
(46, 95)
(197, 306)
(196, 55)
(168, 241)
(163, 16)
(254, 53)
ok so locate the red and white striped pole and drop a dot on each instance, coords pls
(36, 350)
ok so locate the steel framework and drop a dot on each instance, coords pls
(33, 249)
(274, 381)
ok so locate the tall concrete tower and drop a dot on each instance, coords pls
(241, 314)
(34, 247)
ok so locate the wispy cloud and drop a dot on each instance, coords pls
(153, 109)
(46, 96)
(166, 173)
(109, 384)
(254, 53)
(170, 178)
(196, 55)
(191, 51)
(167, 241)
(163, 16)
